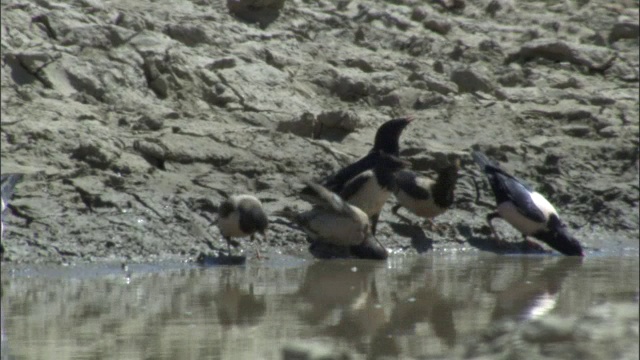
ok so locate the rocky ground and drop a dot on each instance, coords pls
(132, 120)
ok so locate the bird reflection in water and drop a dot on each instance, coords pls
(334, 285)
(426, 304)
(237, 306)
(343, 298)
(531, 297)
(361, 320)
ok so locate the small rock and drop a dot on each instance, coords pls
(97, 153)
(219, 95)
(146, 122)
(512, 77)
(453, 5)
(346, 120)
(349, 89)
(263, 12)
(576, 130)
(623, 71)
(361, 64)
(440, 26)
(624, 30)
(610, 131)
(224, 63)
(427, 102)
(471, 80)
(570, 83)
(305, 125)
(419, 13)
(493, 7)
(593, 57)
(392, 99)
(188, 34)
(152, 151)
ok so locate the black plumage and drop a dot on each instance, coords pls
(425, 197)
(525, 209)
(370, 189)
(386, 141)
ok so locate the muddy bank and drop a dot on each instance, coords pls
(133, 120)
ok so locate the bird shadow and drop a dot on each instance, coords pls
(419, 240)
(488, 243)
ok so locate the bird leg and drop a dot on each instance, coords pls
(374, 222)
(228, 246)
(253, 236)
(404, 218)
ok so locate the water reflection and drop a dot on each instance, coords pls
(531, 296)
(237, 306)
(428, 306)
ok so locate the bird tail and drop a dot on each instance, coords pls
(9, 182)
(317, 194)
(482, 160)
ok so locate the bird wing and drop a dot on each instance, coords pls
(327, 199)
(507, 187)
(337, 181)
(355, 184)
(407, 182)
(518, 193)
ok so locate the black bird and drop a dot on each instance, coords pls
(240, 216)
(386, 141)
(525, 209)
(423, 196)
(333, 220)
(8, 183)
(370, 189)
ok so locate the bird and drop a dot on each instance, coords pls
(370, 189)
(241, 216)
(8, 183)
(334, 221)
(526, 210)
(386, 141)
(425, 197)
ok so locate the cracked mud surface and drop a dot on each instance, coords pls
(133, 120)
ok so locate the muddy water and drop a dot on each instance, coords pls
(436, 306)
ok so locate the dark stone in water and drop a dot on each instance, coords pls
(220, 260)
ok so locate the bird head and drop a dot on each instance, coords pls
(369, 249)
(388, 135)
(559, 238)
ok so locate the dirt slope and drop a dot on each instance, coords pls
(133, 119)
